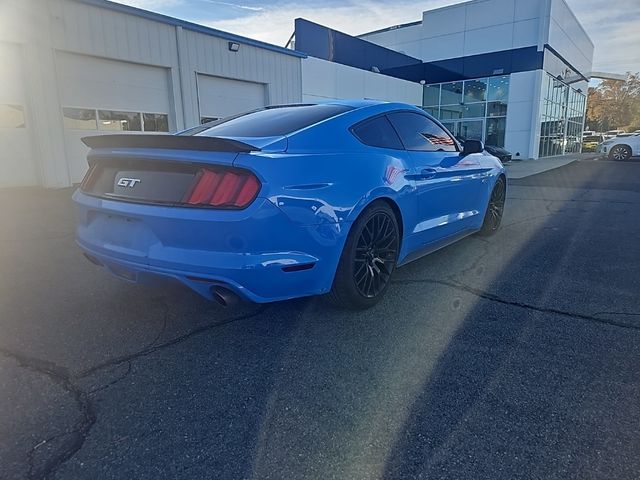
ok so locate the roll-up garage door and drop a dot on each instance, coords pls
(17, 166)
(221, 97)
(101, 96)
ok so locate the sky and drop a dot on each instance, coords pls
(614, 26)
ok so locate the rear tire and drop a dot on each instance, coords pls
(368, 259)
(495, 209)
(620, 153)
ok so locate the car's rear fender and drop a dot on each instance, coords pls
(330, 187)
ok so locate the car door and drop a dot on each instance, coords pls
(448, 185)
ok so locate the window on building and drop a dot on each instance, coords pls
(473, 110)
(498, 90)
(475, 91)
(120, 121)
(80, 119)
(378, 132)
(11, 116)
(467, 107)
(433, 111)
(451, 93)
(155, 122)
(419, 133)
(431, 95)
(561, 118)
(495, 131)
(496, 109)
(449, 112)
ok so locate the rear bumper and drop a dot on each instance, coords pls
(259, 252)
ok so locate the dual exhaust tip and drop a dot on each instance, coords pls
(224, 296)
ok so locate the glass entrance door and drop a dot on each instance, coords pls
(467, 129)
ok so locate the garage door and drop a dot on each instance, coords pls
(17, 166)
(108, 96)
(221, 97)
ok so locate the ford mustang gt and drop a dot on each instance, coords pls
(286, 201)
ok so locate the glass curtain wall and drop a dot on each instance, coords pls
(562, 117)
(474, 109)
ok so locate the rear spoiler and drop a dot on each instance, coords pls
(172, 142)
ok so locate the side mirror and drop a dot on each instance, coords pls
(472, 146)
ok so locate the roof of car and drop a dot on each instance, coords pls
(354, 103)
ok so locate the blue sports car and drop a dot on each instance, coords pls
(287, 201)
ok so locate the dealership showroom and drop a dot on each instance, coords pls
(508, 72)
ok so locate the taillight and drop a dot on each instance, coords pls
(223, 188)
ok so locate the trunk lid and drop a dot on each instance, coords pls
(162, 169)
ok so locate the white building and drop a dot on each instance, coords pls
(72, 68)
(512, 73)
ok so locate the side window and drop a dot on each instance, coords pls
(378, 132)
(420, 133)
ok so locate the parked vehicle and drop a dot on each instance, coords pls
(621, 148)
(612, 133)
(286, 201)
(500, 153)
(590, 143)
(589, 133)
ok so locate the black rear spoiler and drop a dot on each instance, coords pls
(172, 142)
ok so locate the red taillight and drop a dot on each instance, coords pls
(223, 188)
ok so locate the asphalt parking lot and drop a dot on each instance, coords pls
(510, 357)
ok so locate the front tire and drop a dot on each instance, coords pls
(495, 209)
(368, 259)
(620, 153)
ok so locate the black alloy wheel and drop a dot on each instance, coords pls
(368, 259)
(495, 209)
(620, 153)
(376, 253)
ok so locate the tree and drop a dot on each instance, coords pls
(614, 104)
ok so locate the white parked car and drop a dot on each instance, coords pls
(621, 148)
(613, 133)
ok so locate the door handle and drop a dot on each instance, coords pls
(427, 173)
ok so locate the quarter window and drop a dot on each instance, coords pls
(378, 132)
(419, 133)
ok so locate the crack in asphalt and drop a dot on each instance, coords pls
(78, 433)
(88, 416)
(496, 298)
(159, 346)
(113, 382)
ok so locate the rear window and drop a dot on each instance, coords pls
(592, 139)
(270, 122)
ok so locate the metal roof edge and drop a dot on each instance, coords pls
(158, 17)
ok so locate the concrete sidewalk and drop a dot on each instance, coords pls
(526, 168)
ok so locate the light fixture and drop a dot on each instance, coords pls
(422, 82)
(375, 69)
(234, 47)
